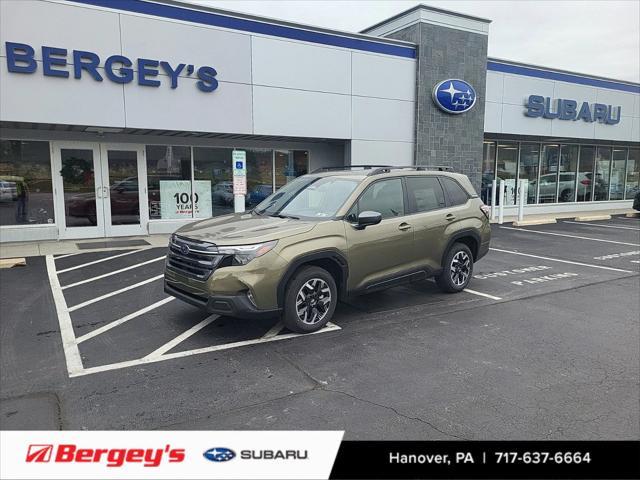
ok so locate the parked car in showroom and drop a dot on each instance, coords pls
(327, 235)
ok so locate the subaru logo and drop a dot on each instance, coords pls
(454, 96)
(219, 454)
(184, 249)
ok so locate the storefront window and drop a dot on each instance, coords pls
(213, 177)
(633, 173)
(603, 165)
(259, 176)
(290, 164)
(507, 161)
(585, 173)
(567, 173)
(169, 182)
(528, 170)
(547, 187)
(26, 195)
(488, 170)
(618, 173)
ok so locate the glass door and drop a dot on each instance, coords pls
(124, 190)
(100, 190)
(78, 187)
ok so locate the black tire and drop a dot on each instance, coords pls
(565, 195)
(311, 282)
(450, 280)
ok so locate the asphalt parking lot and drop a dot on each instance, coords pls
(544, 345)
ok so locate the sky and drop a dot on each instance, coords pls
(595, 37)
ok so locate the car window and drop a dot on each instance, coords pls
(457, 195)
(425, 193)
(384, 197)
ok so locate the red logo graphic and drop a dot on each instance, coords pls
(39, 453)
(111, 457)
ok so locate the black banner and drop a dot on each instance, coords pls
(493, 459)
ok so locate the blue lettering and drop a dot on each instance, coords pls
(568, 109)
(535, 106)
(90, 65)
(611, 120)
(207, 82)
(173, 74)
(144, 70)
(125, 73)
(600, 112)
(547, 110)
(48, 61)
(20, 53)
(584, 113)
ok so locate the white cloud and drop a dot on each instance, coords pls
(595, 37)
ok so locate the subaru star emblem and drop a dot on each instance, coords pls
(184, 249)
(219, 454)
(454, 96)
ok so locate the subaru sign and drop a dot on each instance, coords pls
(219, 454)
(563, 109)
(454, 96)
(59, 62)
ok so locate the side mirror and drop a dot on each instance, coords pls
(368, 218)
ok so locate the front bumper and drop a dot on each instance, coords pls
(232, 305)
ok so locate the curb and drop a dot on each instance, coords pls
(590, 218)
(538, 221)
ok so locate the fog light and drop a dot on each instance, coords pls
(251, 299)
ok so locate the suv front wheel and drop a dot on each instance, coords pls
(457, 269)
(310, 300)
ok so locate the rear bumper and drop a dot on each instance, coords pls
(237, 305)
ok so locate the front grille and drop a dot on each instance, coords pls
(198, 260)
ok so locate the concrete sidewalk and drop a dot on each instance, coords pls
(545, 216)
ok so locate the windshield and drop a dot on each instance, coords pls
(307, 196)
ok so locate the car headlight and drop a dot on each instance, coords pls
(243, 254)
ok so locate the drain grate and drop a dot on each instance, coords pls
(112, 244)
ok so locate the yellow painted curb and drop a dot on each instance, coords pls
(12, 262)
(537, 221)
(591, 218)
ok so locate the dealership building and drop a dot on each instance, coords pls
(124, 117)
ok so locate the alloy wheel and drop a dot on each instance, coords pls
(460, 268)
(313, 301)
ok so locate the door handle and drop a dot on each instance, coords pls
(450, 216)
(404, 226)
(105, 192)
(98, 190)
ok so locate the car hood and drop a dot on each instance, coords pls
(244, 228)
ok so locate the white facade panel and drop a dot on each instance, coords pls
(517, 88)
(495, 87)
(493, 117)
(288, 64)
(383, 76)
(227, 109)
(515, 122)
(381, 119)
(635, 129)
(282, 111)
(620, 131)
(229, 53)
(573, 91)
(381, 153)
(570, 128)
(626, 100)
(38, 99)
(49, 24)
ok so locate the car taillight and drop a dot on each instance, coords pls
(486, 210)
(586, 181)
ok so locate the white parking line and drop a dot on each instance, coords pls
(130, 267)
(600, 225)
(95, 261)
(111, 294)
(571, 236)
(182, 337)
(273, 331)
(468, 290)
(67, 255)
(69, 345)
(187, 353)
(120, 321)
(562, 261)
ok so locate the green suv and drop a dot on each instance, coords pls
(327, 235)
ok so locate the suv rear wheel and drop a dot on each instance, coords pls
(310, 300)
(457, 269)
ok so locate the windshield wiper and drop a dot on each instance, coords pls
(282, 215)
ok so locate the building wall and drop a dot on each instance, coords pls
(442, 138)
(507, 94)
(267, 85)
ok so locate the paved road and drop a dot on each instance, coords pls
(544, 345)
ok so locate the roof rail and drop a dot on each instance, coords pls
(419, 168)
(348, 167)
